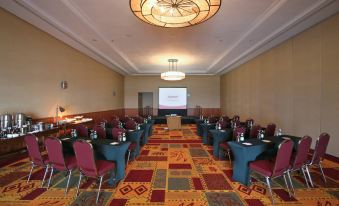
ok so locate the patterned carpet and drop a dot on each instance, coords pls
(173, 169)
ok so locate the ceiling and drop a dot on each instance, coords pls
(108, 31)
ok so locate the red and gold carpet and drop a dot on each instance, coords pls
(175, 168)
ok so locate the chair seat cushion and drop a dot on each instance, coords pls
(104, 166)
(264, 167)
(224, 146)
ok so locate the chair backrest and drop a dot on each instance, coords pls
(115, 123)
(302, 151)
(254, 131)
(223, 124)
(236, 118)
(212, 120)
(139, 120)
(33, 149)
(82, 130)
(249, 122)
(130, 124)
(116, 132)
(100, 131)
(320, 148)
(237, 131)
(125, 119)
(55, 155)
(270, 130)
(283, 158)
(85, 157)
(226, 118)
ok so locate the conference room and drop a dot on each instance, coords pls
(169, 102)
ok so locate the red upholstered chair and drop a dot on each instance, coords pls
(318, 155)
(299, 159)
(57, 161)
(270, 130)
(139, 120)
(254, 131)
(237, 131)
(82, 130)
(236, 118)
(115, 123)
(223, 124)
(130, 124)
(100, 131)
(64, 132)
(226, 118)
(88, 166)
(116, 132)
(34, 154)
(249, 122)
(212, 120)
(125, 119)
(280, 167)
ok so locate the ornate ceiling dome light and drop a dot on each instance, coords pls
(172, 74)
(174, 13)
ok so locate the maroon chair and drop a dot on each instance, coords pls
(130, 124)
(139, 120)
(116, 132)
(237, 131)
(125, 119)
(223, 124)
(115, 123)
(278, 168)
(299, 159)
(318, 155)
(88, 166)
(270, 130)
(101, 132)
(57, 161)
(212, 120)
(236, 118)
(226, 118)
(35, 157)
(254, 131)
(82, 131)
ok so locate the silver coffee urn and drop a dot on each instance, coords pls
(6, 121)
(20, 120)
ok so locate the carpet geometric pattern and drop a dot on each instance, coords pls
(173, 169)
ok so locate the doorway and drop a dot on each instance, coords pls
(145, 103)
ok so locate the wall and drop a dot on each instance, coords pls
(204, 91)
(295, 85)
(32, 65)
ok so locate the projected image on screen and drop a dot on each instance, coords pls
(172, 98)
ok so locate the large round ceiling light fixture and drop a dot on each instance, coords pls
(173, 74)
(174, 13)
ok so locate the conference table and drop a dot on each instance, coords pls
(250, 149)
(205, 129)
(105, 149)
(134, 136)
(220, 136)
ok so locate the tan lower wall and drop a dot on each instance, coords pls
(295, 85)
(204, 90)
(32, 66)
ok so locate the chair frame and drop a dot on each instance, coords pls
(46, 166)
(267, 178)
(96, 171)
(319, 165)
(69, 171)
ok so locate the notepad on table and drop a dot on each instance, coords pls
(247, 143)
(265, 140)
(286, 138)
(67, 138)
(114, 143)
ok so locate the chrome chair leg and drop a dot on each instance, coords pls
(306, 180)
(69, 178)
(128, 156)
(269, 188)
(309, 175)
(291, 183)
(43, 179)
(50, 177)
(30, 173)
(76, 194)
(99, 189)
(322, 172)
(229, 156)
(287, 186)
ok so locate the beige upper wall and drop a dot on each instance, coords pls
(204, 90)
(32, 65)
(295, 85)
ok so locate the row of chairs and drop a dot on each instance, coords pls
(55, 160)
(286, 162)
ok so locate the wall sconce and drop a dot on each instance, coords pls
(64, 84)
